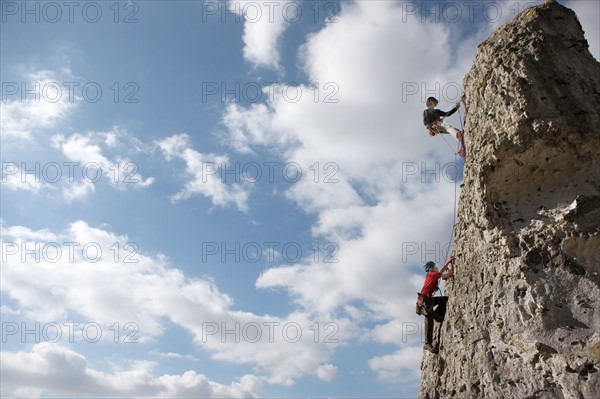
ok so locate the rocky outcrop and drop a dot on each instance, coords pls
(523, 318)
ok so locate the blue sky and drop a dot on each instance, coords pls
(250, 243)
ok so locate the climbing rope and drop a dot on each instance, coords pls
(453, 214)
(455, 180)
(451, 149)
(455, 189)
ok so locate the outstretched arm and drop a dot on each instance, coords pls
(449, 273)
(453, 110)
(448, 265)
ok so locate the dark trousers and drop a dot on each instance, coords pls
(438, 315)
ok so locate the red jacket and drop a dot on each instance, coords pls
(431, 282)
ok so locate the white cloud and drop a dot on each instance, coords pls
(400, 331)
(85, 165)
(298, 347)
(403, 365)
(172, 355)
(174, 145)
(372, 123)
(91, 164)
(8, 311)
(47, 178)
(203, 173)
(109, 282)
(24, 115)
(42, 102)
(392, 205)
(327, 372)
(248, 127)
(373, 136)
(77, 190)
(15, 178)
(114, 281)
(372, 266)
(50, 369)
(22, 233)
(264, 24)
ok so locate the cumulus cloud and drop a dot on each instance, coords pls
(50, 369)
(389, 206)
(264, 24)
(248, 127)
(50, 178)
(372, 266)
(173, 355)
(16, 178)
(85, 164)
(105, 278)
(390, 200)
(86, 154)
(327, 372)
(202, 172)
(25, 114)
(402, 366)
(32, 109)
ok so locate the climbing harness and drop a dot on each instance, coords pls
(459, 136)
(424, 306)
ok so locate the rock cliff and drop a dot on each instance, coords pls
(523, 317)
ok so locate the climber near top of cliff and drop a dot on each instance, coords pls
(427, 301)
(432, 119)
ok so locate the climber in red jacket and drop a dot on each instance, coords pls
(429, 288)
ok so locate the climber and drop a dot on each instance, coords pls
(429, 301)
(432, 119)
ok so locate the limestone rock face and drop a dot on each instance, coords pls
(523, 317)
